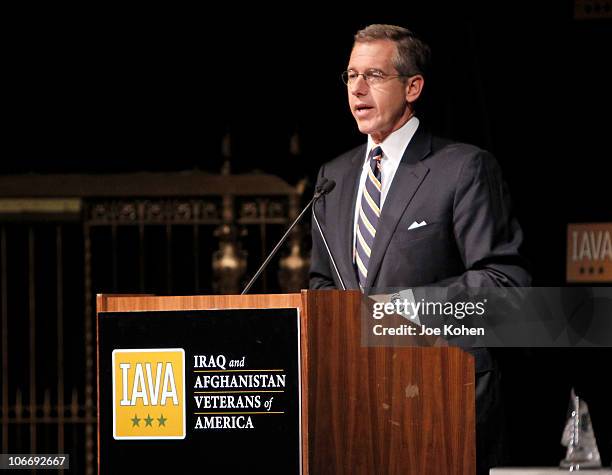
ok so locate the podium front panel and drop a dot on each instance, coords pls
(211, 391)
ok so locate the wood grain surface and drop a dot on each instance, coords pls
(384, 410)
(365, 410)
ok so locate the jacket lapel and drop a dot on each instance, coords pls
(346, 215)
(409, 175)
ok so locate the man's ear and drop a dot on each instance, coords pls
(414, 87)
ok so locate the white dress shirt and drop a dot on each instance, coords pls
(393, 148)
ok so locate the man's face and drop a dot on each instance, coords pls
(379, 109)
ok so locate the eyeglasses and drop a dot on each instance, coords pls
(371, 77)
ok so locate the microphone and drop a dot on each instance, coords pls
(329, 253)
(324, 187)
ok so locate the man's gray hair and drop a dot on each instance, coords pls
(412, 55)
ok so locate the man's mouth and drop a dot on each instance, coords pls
(362, 110)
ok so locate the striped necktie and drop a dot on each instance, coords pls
(369, 214)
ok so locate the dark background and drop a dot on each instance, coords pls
(118, 91)
(132, 91)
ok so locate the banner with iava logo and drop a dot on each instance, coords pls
(589, 252)
(148, 393)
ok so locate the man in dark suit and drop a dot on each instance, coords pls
(411, 209)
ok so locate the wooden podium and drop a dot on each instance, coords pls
(365, 410)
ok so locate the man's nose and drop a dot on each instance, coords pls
(359, 86)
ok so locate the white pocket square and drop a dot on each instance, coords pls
(416, 224)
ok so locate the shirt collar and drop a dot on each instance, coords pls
(395, 144)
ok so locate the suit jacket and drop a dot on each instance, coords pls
(471, 238)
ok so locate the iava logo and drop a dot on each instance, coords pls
(149, 393)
